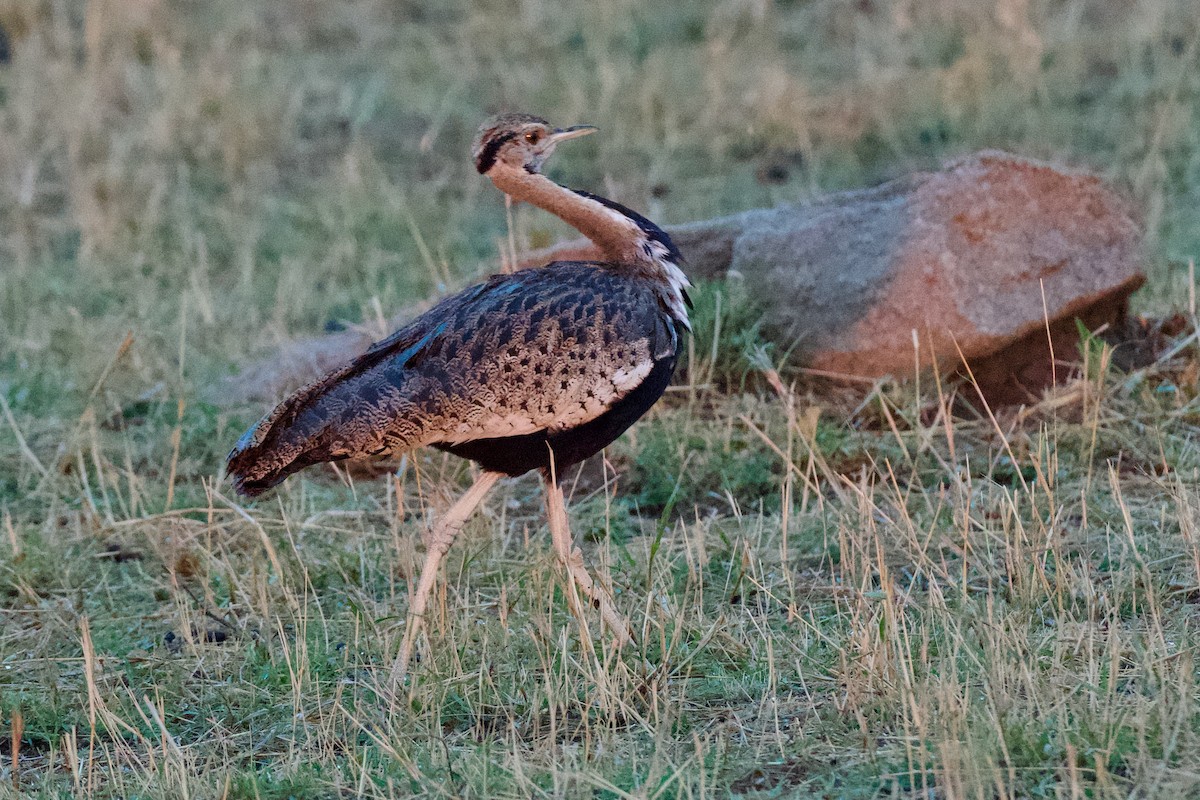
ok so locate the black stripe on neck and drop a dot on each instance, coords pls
(487, 156)
(652, 231)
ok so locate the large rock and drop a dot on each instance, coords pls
(977, 261)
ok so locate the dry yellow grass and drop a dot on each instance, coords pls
(836, 598)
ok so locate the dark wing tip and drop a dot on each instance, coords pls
(253, 485)
(237, 470)
(250, 474)
(251, 489)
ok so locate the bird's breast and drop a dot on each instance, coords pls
(559, 383)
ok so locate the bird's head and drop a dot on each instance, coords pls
(519, 141)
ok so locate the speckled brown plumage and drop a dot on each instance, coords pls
(532, 354)
(536, 370)
(525, 370)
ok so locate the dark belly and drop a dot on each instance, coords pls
(516, 455)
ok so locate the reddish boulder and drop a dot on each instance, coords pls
(980, 258)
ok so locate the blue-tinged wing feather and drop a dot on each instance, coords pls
(514, 354)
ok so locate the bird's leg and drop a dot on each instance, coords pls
(572, 558)
(438, 542)
(509, 262)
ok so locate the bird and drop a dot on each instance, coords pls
(534, 370)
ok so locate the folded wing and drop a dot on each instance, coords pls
(538, 350)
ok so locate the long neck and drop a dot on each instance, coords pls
(625, 238)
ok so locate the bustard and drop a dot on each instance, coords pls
(535, 370)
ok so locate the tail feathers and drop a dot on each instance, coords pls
(340, 416)
(250, 478)
(253, 487)
(292, 436)
(270, 452)
(253, 470)
(257, 469)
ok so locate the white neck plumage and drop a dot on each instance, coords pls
(625, 237)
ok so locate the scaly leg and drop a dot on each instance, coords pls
(438, 543)
(572, 558)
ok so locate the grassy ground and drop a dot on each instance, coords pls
(836, 597)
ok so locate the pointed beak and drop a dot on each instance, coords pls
(575, 131)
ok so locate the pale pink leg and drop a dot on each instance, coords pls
(572, 558)
(439, 541)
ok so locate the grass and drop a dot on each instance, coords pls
(837, 595)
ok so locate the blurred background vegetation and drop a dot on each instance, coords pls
(256, 170)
